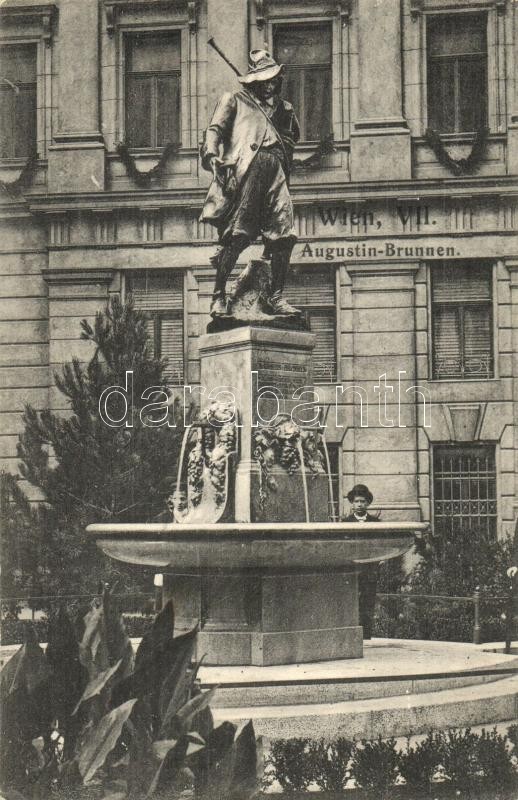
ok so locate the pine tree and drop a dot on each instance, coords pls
(87, 470)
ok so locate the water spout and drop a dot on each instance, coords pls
(304, 477)
(330, 482)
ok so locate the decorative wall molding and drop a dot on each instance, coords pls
(44, 15)
(419, 7)
(152, 225)
(59, 231)
(464, 420)
(113, 9)
(262, 8)
(416, 9)
(106, 228)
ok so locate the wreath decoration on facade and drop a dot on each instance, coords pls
(143, 178)
(16, 187)
(324, 148)
(459, 166)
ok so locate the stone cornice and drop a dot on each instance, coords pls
(44, 13)
(407, 191)
(114, 7)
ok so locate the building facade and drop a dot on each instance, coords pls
(407, 258)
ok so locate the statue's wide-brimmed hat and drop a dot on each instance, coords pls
(360, 490)
(262, 67)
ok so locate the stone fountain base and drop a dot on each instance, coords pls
(265, 620)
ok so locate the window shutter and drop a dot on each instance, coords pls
(162, 297)
(311, 288)
(25, 138)
(306, 52)
(313, 291)
(171, 347)
(317, 102)
(138, 111)
(462, 281)
(477, 341)
(7, 117)
(447, 343)
(168, 110)
(462, 320)
(157, 292)
(322, 323)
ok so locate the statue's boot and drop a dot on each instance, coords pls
(225, 260)
(280, 252)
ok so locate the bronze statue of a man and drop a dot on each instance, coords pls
(248, 147)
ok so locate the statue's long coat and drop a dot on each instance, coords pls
(236, 133)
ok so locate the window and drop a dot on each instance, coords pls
(462, 320)
(17, 100)
(313, 291)
(464, 489)
(305, 50)
(161, 295)
(457, 72)
(152, 89)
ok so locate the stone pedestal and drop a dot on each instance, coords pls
(261, 369)
(265, 620)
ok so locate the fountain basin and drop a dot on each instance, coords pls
(263, 593)
(266, 547)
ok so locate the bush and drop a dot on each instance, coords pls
(452, 566)
(289, 764)
(13, 631)
(494, 761)
(512, 735)
(445, 764)
(329, 763)
(418, 764)
(375, 764)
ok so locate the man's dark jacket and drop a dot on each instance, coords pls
(367, 582)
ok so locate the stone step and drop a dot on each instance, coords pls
(483, 704)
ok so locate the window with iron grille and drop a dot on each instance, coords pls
(17, 100)
(161, 296)
(152, 89)
(313, 291)
(457, 72)
(462, 320)
(305, 51)
(464, 478)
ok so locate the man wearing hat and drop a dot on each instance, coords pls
(248, 147)
(360, 499)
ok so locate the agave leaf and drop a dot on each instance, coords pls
(204, 762)
(141, 767)
(119, 645)
(93, 650)
(105, 640)
(157, 638)
(175, 688)
(68, 675)
(12, 794)
(101, 739)
(170, 768)
(27, 669)
(162, 746)
(181, 723)
(245, 773)
(154, 669)
(96, 685)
